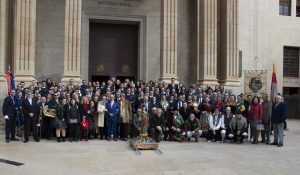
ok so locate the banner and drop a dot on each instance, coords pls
(255, 82)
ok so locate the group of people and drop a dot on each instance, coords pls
(116, 110)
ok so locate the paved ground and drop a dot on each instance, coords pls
(102, 157)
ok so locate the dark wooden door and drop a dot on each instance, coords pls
(113, 50)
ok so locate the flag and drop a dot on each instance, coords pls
(273, 85)
(11, 86)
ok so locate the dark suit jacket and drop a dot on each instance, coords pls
(52, 104)
(279, 113)
(170, 87)
(27, 108)
(8, 107)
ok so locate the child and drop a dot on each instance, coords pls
(84, 128)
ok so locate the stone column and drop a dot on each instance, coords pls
(229, 43)
(72, 41)
(3, 36)
(207, 23)
(24, 40)
(168, 51)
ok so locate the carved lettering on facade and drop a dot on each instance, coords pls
(117, 3)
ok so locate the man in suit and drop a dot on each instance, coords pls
(30, 118)
(173, 85)
(10, 115)
(148, 105)
(131, 97)
(112, 118)
(279, 114)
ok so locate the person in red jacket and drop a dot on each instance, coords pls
(255, 118)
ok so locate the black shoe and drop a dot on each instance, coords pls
(267, 142)
(254, 142)
(58, 139)
(274, 143)
(263, 141)
(26, 140)
(101, 138)
(280, 145)
(115, 139)
(37, 140)
(63, 139)
(7, 140)
(14, 139)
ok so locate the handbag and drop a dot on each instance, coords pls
(260, 127)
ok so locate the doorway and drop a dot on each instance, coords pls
(113, 50)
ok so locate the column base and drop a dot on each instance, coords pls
(66, 79)
(208, 82)
(24, 78)
(168, 79)
(231, 82)
(3, 89)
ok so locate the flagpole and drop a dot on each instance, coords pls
(273, 92)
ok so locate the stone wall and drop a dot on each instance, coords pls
(50, 39)
(184, 42)
(264, 33)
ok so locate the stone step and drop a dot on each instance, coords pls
(2, 126)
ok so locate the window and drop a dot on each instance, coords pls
(291, 62)
(298, 8)
(285, 7)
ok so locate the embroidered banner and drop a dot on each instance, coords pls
(255, 82)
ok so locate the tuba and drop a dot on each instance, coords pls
(49, 112)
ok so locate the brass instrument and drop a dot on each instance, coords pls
(164, 105)
(49, 112)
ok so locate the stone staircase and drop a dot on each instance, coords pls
(2, 126)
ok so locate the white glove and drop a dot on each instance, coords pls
(183, 133)
(6, 117)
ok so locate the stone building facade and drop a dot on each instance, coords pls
(204, 41)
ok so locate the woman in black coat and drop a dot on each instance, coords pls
(60, 121)
(73, 120)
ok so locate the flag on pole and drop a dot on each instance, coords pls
(11, 86)
(273, 85)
